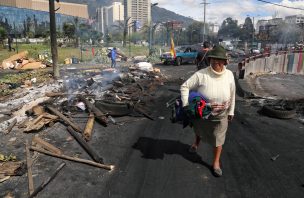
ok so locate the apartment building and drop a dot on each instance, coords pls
(138, 10)
(70, 9)
(109, 18)
(295, 19)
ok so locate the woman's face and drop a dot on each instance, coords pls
(217, 64)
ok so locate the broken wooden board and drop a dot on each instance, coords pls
(29, 163)
(87, 134)
(12, 168)
(39, 122)
(20, 55)
(30, 105)
(34, 65)
(47, 145)
(65, 119)
(99, 115)
(75, 159)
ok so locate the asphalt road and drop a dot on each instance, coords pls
(152, 161)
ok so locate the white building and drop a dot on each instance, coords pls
(295, 19)
(139, 11)
(115, 14)
(213, 28)
(261, 25)
(109, 18)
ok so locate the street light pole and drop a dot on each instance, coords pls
(204, 28)
(150, 29)
(252, 31)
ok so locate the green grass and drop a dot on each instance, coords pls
(69, 52)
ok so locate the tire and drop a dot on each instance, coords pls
(274, 112)
(178, 61)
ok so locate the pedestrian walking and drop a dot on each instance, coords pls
(201, 58)
(216, 84)
(113, 57)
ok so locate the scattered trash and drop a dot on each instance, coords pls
(145, 66)
(101, 94)
(13, 139)
(20, 61)
(274, 158)
(4, 178)
(81, 106)
(4, 158)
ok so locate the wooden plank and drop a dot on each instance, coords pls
(12, 168)
(47, 145)
(75, 159)
(87, 134)
(20, 55)
(34, 65)
(65, 119)
(47, 181)
(11, 126)
(29, 163)
(85, 146)
(100, 116)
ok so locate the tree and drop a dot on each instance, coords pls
(69, 30)
(247, 30)
(3, 34)
(195, 32)
(229, 29)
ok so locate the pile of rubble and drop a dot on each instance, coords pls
(100, 95)
(21, 62)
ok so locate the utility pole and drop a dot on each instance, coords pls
(204, 30)
(150, 29)
(252, 31)
(54, 39)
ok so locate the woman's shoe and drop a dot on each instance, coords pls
(192, 149)
(217, 172)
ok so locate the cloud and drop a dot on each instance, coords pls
(281, 11)
(219, 10)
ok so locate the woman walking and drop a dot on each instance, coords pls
(216, 84)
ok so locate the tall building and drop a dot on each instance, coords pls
(115, 13)
(109, 18)
(100, 19)
(138, 11)
(70, 9)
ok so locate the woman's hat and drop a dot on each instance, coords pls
(218, 52)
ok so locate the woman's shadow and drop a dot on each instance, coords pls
(157, 148)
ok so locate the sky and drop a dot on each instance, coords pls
(218, 10)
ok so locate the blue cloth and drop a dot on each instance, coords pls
(194, 94)
(180, 115)
(113, 54)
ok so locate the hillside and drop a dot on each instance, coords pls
(158, 14)
(163, 15)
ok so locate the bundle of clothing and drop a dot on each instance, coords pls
(198, 108)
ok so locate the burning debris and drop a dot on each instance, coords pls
(99, 95)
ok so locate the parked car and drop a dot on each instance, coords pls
(184, 54)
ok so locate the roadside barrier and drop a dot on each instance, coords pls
(280, 62)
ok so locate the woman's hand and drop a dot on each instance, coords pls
(230, 118)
